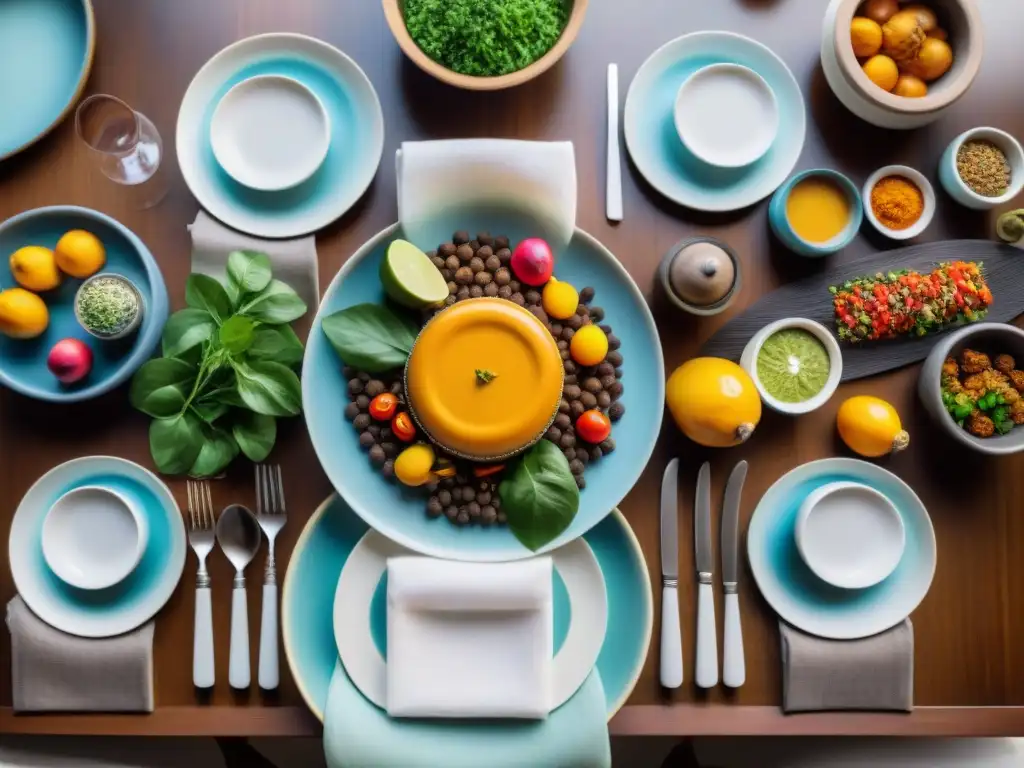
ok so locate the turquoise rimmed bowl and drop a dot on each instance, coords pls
(779, 220)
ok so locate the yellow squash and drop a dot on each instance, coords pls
(871, 427)
(713, 401)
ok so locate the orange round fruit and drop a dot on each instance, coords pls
(882, 71)
(866, 36)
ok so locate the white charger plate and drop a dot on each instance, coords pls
(586, 612)
(129, 603)
(357, 136)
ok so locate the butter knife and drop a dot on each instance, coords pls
(734, 670)
(671, 637)
(706, 673)
(613, 188)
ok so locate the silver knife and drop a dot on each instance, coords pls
(734, 671)
(671, 637)
(707, 641)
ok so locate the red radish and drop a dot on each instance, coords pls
(70, 360)
(533, 262)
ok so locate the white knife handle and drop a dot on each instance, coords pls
(706, 674)
(613, 187)
(238, 668)
(268, 672)
(671, 638)
(202, 641)
(734, 669)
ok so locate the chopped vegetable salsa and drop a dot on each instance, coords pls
(983, 395)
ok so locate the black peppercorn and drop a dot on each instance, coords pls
(595, 452)
(451, 512)
(396, 388)
(563, 407)
(460, 237)
(562, 421)
(564, 354)
(366, 440)
(388, 470)
(532, 296)
(572, 392)
(476, 264)
(576, 467)
(453, 287)
(569, 378)
(592, 384)
(618, 373)
(582, 310)
(589, 400)
(613, 342)
(484, 497)
(475, 245)
(574, 323)
(434, 507)
(452, 263)
(514, 285)
(463, 517)
(615, 358)
(556, 329)
(446, 249)
(492, 263)
(348, 371)
(605, 369)
(374, 430)
(473, 508)
(445, 497)
(374, 387)
(568, 440)
(554, 434)
(608, 446)
(463, 293)
(501, 241)
(363, 376)
(583, 455)
(468, 493)
(587, 295)
(377, 455)
(355, 386)
(390, 449)
(596, 314)
(464, 253)
(568, 332)
(607, 381)
(605, 328)
(517, 298)
(504, 255)
(488, 514)
(616, 411)
(569, 453)
(437, 261)
(603, 400)
(490, 289)
(580, 482)
(540, 314)
(482, 278)
(576, 409)
(351, 411)
(505, 292)
(615, 390)
(475, 291)
(502, 277)
(562, 344)
(464, 276)
(570, 366)
(485, 238)
(361, 422)
(484, 251)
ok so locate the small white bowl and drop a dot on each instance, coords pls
(850, 535)
(955, 186)
(128, 329)
(93, 537)
(913, 176)
(748, 360)
(270, 132)
(726, 115)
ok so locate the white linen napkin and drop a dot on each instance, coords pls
(516, 188)
(469, 639)
(293, 261)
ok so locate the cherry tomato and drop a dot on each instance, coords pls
(383, 406)
(487, 470)
(593, 426)
(403, 427)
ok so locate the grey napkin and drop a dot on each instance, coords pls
(294, 261)
(875, 673)
(55, 672)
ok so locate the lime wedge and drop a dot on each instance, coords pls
(1010, 226)
(410, 278)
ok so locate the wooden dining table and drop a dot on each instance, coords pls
(969, 630)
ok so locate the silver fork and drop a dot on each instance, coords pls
(201, 538)
(271, 515)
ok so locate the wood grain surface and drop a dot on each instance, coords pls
(969, 654)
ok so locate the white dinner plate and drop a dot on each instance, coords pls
(132, 601)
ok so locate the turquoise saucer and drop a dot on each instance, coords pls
(333, 530)
(779, 220)
(654, 144)
(23, 361)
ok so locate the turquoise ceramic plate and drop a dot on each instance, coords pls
(46, 49)
(126, 605)
(23, 361)
(655, 147)
(333, 530)
(399, 513)
(357, 135)
(808, 603)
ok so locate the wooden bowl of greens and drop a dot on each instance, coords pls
(484, 45)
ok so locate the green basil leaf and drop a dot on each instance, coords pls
(269, 388)
(210, 410)
(539, 495)
(227, 394)
(185, 329)
(276, 342)
(255, 434)
(249, 271)
(370, 337)
(275, 305)
(236, 334)
(206, 293)
(159, 386)
(218, 450)
(175, 443)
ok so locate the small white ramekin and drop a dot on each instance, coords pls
(955, 186)
(914, 177)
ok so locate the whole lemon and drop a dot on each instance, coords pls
(911, 87)
(35, 268)
(23, 315)
(882, 71)
(713, 401)
(560, 300)
(80, 253)
(932, 61)
(866, 36)
(870, 426)
(413, 465)
(589, 345)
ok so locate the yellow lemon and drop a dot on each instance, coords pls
(866, 36)
(911, 87)
(413, 465)
(560, 300)
(882, 71)
(932, 61)
(871, 427)
(23, 315)
(713, 401)
(80, 253)
(35, 268)
(589, 345)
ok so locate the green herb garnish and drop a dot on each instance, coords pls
(483, 376)
(107, 305)
(539, 495)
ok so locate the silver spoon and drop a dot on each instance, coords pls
(239, 536)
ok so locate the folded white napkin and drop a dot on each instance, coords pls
(469, 640)
(515, 188)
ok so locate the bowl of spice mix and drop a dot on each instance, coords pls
(484, 45)
(816, 212)
(982, 168)
(108, 306)
(898, 201)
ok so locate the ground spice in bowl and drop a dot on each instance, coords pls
(897, 202)
(983, 167)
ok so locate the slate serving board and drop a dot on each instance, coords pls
(1003, 269)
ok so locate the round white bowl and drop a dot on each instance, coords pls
(270, 132)
(748, 360)
(915, 177)
(93, 537)
(955, 186)
(726, 115)
(128, 329)
(850, 535)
